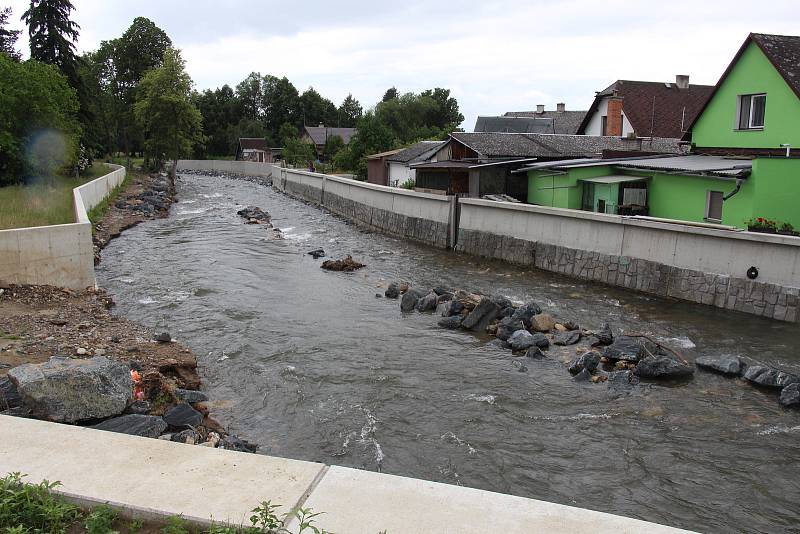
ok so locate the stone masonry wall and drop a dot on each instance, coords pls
(722, 291)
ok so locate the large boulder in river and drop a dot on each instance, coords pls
(393, 291)
(542, 322)
(507, 326)
(566, 338)
(451, 323)
(410, 299)
(605, 336)
(661, 366)
(626, 348)
(768, 377)
(588, 361)
(428, 302)
(727, 365)
(790, 395)
(480, 317)
(521, 340)
(345, 265)
(451, 308)
(148, 426)
(66, 390)
(525, 312)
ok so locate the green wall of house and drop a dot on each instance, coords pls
(545, 188)
(777, 189)
(680, 197)
(752, 74)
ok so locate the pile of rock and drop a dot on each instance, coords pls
(787, 384)
(110, 395)
(346, 264)
(254, 215)
(154, 201)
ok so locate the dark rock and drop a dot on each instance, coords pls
(253, 212)
(521, 340)
(768, 377)
(393, 291)
(566, 338)
(140, 407)
(507, 326)
(660, 366)
(790, 395)
(540, 340)
(442, 291)
(447, 297)
(535, 353)
(626, 348)
(316, 254)
(148, 426)
(66, 390)
(502, 302)
(583, 376)
(163, 337)
(484, 313)
(428, 302)
(182, 415)
(410, 298)
(346, 265)
(188, 436)
(232, 443)
(378, 296)
(525, 312)
(451, 323)
(588, 361)
(621, 379)
(507, 312)
(727, 365)
(190, 395)
(454, 307)
(9, 396)
(605, 336)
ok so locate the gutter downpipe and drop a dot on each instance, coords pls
(739, 182)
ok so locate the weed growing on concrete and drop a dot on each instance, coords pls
(176, 525)
(33, 508)
(101, 521)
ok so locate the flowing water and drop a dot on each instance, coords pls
(312, 365)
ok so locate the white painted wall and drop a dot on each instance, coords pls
(595, 125)
(400, 172)
(59, 255)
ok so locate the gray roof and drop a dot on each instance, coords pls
(565, 122)
(512, 145)
(514, 125)
(690, 164)
(416, 152)
(320, 134)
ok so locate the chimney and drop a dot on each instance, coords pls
(682, 81)
(561, 107)
(614, 114)
(539, 108)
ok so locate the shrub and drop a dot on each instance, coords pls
(33, 508)
(409, 184)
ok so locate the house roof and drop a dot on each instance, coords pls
(320, 134)
(513, 145)
(515, 125)
(564, 122)
(253, 143)
(384, 154)
(783, 51)
(690, 164)
(654, 109)
(416, 152)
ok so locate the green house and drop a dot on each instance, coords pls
(742, 164)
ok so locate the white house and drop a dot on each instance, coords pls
(399, 164)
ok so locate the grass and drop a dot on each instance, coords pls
(39, 204)
(35, 509)
(96, 213)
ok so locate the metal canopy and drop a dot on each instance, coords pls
(614, 179)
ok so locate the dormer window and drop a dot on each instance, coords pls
(751, 111)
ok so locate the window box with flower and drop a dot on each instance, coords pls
(762, 225)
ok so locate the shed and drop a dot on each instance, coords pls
(378, 167)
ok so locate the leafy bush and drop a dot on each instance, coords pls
(101, 521)
(409, 184)
(33, 508)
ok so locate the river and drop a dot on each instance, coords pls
(312, 365)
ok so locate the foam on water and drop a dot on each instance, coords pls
(489, 399)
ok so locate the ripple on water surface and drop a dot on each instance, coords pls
(310, 364)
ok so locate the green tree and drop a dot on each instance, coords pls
(349, 112)
(8, 38)
(222, 124)
(53, 35)
(316, 109)
(373, 136)
(333, 145)
(172, 124)
(250, 94)
(281, 104)
(295, 150)
(39, 131)
(390, 94)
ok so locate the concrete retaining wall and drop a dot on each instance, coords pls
(703, 265)
(246, 168)
(58, 255)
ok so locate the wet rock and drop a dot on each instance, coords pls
(790, 395)
(163, 337)
(583, 376)
(140, 407)
(67, 390)
(521, 340)
(185, 372)
(588, 361)
(454, 307)
(190, 396)
(768, 377)
(507, 312)
(660, 366)
(480, 317)
(469, 300)
(535, 353)
(442, 291)
(542, 322)
(727, 365)
(605, 336)
(625, 348)
(182, 415)
(316, 254)
(566, 338)
(502, 302)
(525, 312)
(540, 340)
(188, 436)
(9, 396)
(148, 426)
(233, 443)
(507, 326)
(428, 302)
(393, 291)
(621, 379)
(254, 212)
(451, 323)
(346, 265)
(560, 327)
(410, 299)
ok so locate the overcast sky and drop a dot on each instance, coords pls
(494, 56)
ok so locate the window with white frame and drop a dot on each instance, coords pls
(751, 111)
(714, 206)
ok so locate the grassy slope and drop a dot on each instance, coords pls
(41, 204)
